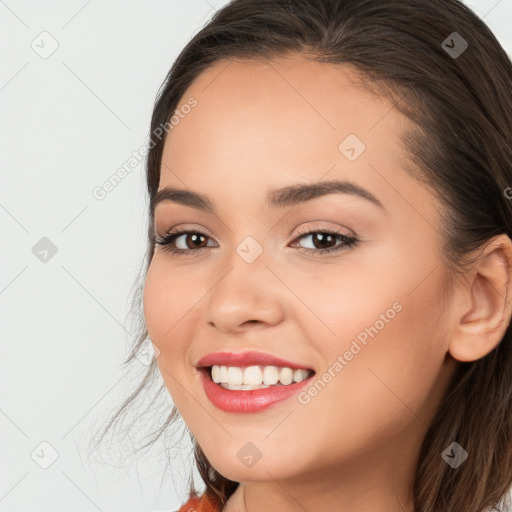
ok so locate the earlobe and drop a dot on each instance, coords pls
(486, 306)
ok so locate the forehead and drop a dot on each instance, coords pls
(266, 124)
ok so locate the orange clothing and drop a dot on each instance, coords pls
(199, 504)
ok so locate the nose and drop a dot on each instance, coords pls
(247, 296)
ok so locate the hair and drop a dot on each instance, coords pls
(461, 113)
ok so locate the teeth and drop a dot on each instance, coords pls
(256, 377)
(299, 375)
(252, 375)
(270, 375)
(235, 376)
(286, 376)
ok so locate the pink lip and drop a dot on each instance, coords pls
(251, 358)
(247, 401)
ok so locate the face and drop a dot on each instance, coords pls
(369, 317)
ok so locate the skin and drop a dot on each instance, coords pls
(354, 446)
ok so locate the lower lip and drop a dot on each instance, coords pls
(249, 400)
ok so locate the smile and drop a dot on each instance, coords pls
(228, 389)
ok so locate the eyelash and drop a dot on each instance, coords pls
(166, 240)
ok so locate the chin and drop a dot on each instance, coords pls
(240, 468)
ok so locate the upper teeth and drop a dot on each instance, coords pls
(256, 375)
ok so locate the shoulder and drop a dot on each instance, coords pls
(199, 503)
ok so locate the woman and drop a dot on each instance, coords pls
(329, 264)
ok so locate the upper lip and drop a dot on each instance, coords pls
(250, 358)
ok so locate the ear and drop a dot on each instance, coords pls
(483, 302)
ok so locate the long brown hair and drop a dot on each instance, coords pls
(457, 90)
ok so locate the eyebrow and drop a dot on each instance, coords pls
(280, 198)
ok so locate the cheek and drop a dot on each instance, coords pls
(168, 300)
(395, 372)
(171, 301)
(387, 322)
(153, 299)
(391, 294)
(392, 384)
(166, 305)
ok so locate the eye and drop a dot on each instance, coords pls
(322, 240)
(171, 241)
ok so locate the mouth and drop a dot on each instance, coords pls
(236, 395)
(254, 377)
(250, 381)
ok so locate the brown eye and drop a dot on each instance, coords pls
(183, 242)
(196, 240)
(324, 241)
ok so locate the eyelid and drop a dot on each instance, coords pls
(305, 229)
(182, 227)
(308, 228)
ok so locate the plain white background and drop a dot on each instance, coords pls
(69, 120)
